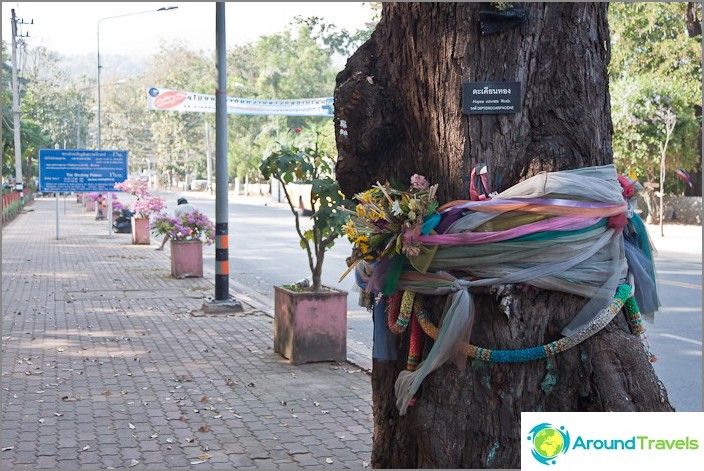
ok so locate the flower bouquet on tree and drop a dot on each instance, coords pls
(386, 223)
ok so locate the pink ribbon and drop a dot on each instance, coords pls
(560, 223)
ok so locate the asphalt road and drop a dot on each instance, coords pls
(676, 333)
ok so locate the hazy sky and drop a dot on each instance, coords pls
(72, 27)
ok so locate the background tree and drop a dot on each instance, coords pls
(8, 157)
(178, 139)
(61, 104)
(656, 61)
(400, 99)
(296, 63)
(32, 134)
(45, 106)
(638, 110)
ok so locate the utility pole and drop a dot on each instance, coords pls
(223, 302)
(208, 158)
(16, 104)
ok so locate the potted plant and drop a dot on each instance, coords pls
(310, 320)
(143, 208)
(188, 234)
(91, 202)
(117, 208)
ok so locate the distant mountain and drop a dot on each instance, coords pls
(115, 67)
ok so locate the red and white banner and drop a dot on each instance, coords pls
(163, 99)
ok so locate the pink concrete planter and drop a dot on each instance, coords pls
(90, 205)
(310, 326)
(186, 258)
(140, 231)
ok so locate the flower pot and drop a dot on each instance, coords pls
(90, 205)
(310, 326)
(140, 231)
(186, 258)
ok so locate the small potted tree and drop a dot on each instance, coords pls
(310, 319)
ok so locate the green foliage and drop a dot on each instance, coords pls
(60, 109)
(32, 137)
(336, 40)
(174, 142)
(289, 64)
(651, 38)
(638, 111)
(655, 67)
(314, 165)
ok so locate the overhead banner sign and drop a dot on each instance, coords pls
(66, 170)
(163, 99)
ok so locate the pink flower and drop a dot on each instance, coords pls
(148, 205)
(190, 226)
(133, 186)
(419, 183)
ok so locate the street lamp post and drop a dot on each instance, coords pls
(100, 141)
(100, 144)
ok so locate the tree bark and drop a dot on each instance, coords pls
(398, 111)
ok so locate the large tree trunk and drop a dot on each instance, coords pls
(398, 111)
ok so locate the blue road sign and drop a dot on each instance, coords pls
(66, 170)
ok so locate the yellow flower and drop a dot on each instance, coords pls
(361, 211)
(350, 229)
(362, 242)
(375, 215)
(363, 238)
(366, 197)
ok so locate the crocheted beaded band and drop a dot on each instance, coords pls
(623, 294)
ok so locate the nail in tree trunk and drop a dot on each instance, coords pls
(398, 111)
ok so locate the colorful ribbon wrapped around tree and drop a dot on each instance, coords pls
(572, 231)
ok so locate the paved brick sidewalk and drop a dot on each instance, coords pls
(103, 365)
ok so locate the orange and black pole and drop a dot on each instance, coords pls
(222, 267)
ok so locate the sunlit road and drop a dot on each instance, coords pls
(265, 251)
(676, 334)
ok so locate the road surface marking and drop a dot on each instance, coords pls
(684, 339)
(680, 284)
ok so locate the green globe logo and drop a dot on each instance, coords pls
(548, 442)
